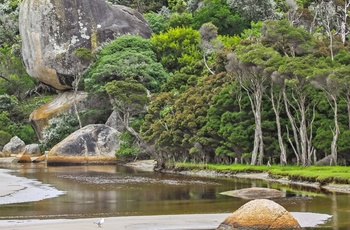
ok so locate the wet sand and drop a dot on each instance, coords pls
(195, 221)
(14, 189)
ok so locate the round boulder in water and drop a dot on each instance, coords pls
(260, 214)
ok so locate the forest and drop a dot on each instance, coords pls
(219, 81)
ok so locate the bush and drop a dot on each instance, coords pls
(58, 129)
(4, 137)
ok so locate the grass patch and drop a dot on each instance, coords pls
(321, 174)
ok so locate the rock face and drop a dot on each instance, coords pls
(255, 193)
(260, 214)
(114, 122)
(33, 150)
(51, 30)
(63, 103)
(93, 144)
(15, 146)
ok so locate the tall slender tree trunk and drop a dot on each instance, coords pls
(334, 151)
(295, 144)
(303, 132)
(276, 106)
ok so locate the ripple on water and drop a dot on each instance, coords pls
(105, 179)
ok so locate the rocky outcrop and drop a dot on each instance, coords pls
(15, 146)
(115, 122)
(93, 144)
(63, 103)
(33, 150)
(260, 214)
(51, 30)
(255, 193)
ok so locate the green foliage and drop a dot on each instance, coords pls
(157, 22)
(59, 128)
(286, 39)
(128, 96)
(7, 102)
(229, 41)
(180, 20)
(5, 137)
(177, 48)
(127, 151)
(126, 57)
(84, 54)
(226, 19)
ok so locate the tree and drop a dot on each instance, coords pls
(299, 109)
(129, 98)
(255, 10)
(209, 42)
(126, 57)
(177, 48)
(286, 39)
(325, 16)
(247, 66)
(330, 83)
(226, 19)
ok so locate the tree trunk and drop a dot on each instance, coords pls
(295, 145)
(303, 132)
(334, 152)
(276, 106)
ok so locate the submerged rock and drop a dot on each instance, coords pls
(92, 144)
(255, 193)
(260, 214)
(52, 30)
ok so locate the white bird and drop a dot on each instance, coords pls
(100, 222)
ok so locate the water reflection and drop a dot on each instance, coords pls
(94, 191)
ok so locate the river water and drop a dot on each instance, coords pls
(109, 191)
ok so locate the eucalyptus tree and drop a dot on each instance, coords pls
(209, 42)
(325, 16)
(299, 109)
(247, 65)
(255, 10)
(286, 39)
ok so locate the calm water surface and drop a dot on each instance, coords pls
(96, 191)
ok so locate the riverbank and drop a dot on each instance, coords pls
(313, 177)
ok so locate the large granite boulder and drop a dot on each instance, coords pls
(63, 103)
(15, 146)
(255, 193)
(51, 30)
(260, 214)
(92, 144)
(33, 150)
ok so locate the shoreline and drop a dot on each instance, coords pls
(338, 188)
(16, 189)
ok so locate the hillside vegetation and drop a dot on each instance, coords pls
(219, 81)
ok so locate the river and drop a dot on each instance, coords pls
(109, 190)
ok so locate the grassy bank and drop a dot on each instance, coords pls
(321, 174)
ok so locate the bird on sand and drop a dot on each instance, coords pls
(100, 222)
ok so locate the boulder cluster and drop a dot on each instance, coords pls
(51, 32)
